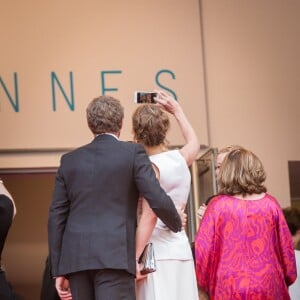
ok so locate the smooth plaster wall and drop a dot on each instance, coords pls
(252, 74)
(59, 55)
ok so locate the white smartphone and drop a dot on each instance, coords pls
(144, 97)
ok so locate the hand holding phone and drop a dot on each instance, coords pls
(144, 97)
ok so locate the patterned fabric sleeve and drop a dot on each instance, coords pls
(204, 247)
(287, 252)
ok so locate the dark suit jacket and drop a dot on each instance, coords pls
(92, 218)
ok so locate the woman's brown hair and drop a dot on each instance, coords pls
(150, 125)
(241, 173)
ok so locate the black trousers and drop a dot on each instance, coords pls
(6, 292)
(48, 290)
(107, 284)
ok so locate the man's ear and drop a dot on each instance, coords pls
(118, 133)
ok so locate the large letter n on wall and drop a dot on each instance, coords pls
(70, 102)
(14, 104)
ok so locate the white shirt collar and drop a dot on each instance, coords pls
(108, 134)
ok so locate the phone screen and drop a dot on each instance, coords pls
(145, 97)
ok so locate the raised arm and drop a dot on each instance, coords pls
(191, 148)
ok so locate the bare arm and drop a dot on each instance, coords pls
(146, 223)
(191, 148)
(145, 227)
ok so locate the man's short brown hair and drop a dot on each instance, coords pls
(105, 115)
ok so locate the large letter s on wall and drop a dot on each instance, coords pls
(162, 86)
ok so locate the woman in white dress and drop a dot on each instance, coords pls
(175, 274)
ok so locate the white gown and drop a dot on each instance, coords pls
(175, 276)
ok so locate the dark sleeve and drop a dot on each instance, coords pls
(150, 189)
(208, 199)
(58, 214)
(6, 217)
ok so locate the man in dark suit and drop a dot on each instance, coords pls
(92, 217)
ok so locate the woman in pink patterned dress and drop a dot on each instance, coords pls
(243, 248)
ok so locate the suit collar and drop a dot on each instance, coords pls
(106, 137)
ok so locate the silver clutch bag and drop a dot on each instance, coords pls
(147, 259)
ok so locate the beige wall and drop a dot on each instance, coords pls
(252, 76)
(136, 40)
(251, 72)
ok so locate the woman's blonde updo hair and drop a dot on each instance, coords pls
(242, 173)
(150, 125)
